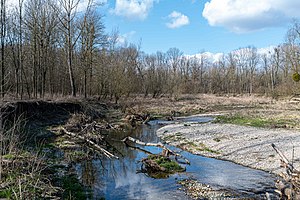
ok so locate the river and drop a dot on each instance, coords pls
(119, 179)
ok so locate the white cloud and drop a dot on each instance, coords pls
(177, 20)
(266, 50)
(122, 39)
(82, 6)
(133, 9)
(249, 15)
(210, 57)
(216, 57)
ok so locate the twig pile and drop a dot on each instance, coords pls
(89, 132)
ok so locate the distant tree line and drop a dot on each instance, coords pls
(52, 48)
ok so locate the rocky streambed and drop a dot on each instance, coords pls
(248, 146)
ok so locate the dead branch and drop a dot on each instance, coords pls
(166, 151)
(90, 142)
(290, 189)
(147, 119)
(289, 167)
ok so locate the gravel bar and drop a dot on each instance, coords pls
(248, 146)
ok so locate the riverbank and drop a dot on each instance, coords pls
(248, 146)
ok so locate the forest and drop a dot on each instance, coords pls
(50, 48)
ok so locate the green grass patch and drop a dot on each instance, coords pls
(243, 120)
(170, 165)
(6, 193)
(190, 143)
(254, 121)
(174, 137)
(203, 147)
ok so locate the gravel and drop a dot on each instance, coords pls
(248, 146)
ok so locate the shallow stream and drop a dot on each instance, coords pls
(118, 179)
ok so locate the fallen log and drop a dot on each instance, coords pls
(165, 152)
(90, 142)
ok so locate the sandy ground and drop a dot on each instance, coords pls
(248, 146)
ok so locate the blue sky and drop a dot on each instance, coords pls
(202, 25)
(213, 25)
(195, 26)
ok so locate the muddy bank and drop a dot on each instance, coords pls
(248, 146)
(35, 154)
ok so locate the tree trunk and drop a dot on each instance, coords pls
(85, 83)
(70, 60)
(3, 27)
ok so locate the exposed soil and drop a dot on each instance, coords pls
(46, 156)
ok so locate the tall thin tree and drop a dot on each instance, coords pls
(3, 35)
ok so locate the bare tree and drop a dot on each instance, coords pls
(20, 44)
(174, 55)
(3, 38)
(92, 39)
(41, 27)
(67, 19)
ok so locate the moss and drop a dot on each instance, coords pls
(171, 166)
(165, 162)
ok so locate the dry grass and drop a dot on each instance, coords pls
(286, 108)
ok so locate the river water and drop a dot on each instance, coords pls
(119, 179)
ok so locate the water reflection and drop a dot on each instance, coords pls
(118, 179)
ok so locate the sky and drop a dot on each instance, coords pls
(195, 26)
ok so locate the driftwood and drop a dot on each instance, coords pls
(165, 152)
(90, 142)
(135, 119)
(290, 189)
(289, 167)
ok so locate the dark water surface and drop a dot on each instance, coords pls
(118, 179)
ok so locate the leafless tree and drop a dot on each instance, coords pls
(3, 38)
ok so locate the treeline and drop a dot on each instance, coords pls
(56, 48)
